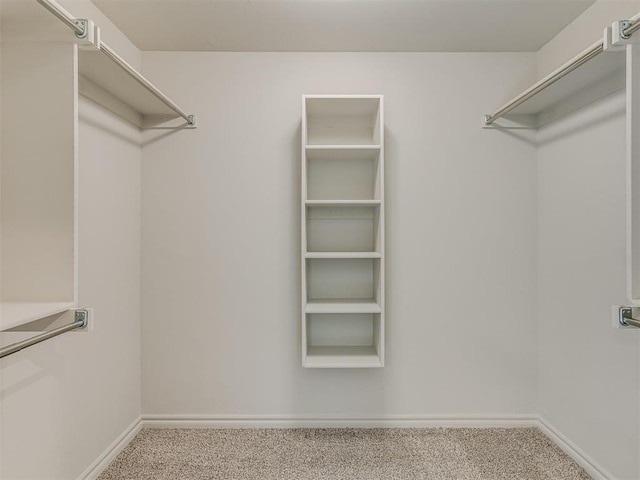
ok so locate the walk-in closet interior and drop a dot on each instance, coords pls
(386, 222)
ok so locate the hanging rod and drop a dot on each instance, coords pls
(79, 26)
(590, 53)
(81, 319)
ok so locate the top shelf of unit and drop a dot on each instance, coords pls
(341, 121)
(342, 104)
(600, 76)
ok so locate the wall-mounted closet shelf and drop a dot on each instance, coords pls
(16, 314)
(342, 147)
(102, 65)
(349, 305)
(101, 71)
(596, 72)
(342, 203)
(341, 357)
(343, 255)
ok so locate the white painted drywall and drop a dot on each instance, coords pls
(588, 371)
(589, 387)
(220, 265)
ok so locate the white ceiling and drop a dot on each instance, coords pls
(342, 25)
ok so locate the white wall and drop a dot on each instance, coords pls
(65, 401)
(588, 372)
(220, 265)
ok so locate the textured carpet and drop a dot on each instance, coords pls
(345, 454)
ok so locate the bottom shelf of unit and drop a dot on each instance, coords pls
(15, 314)
(343, 357)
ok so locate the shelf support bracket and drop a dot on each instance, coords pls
(90, 35)
(626, 319)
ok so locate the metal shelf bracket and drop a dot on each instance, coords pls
(625, 318)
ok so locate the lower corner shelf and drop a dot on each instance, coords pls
(342, 357)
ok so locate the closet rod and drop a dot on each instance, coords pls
(78, 26)
(81, 318)
(634, 27)
(591, 52)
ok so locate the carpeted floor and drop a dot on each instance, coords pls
(345, 454)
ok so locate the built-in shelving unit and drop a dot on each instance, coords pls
(342, 231)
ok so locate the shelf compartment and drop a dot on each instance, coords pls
(318, 149)
(337, 255)
(342, 227)
(339, 279)
(342, 357)
(344, 203)
(341, 305)
(343, 340)
(348, 174)
(342, 120)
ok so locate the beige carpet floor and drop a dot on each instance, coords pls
(344, 454)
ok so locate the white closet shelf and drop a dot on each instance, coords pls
(100, 70)
(105, 68)
(599, 77)
(15, 314)
(340, 305)
(343, 255)
(589, 76)
(342, 357)
(343, 203)
(594, 73)
(345, 147)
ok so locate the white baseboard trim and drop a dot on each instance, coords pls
(112, 451)
(576, 453)
(333, 421)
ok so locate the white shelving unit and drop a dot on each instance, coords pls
(342, 231)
